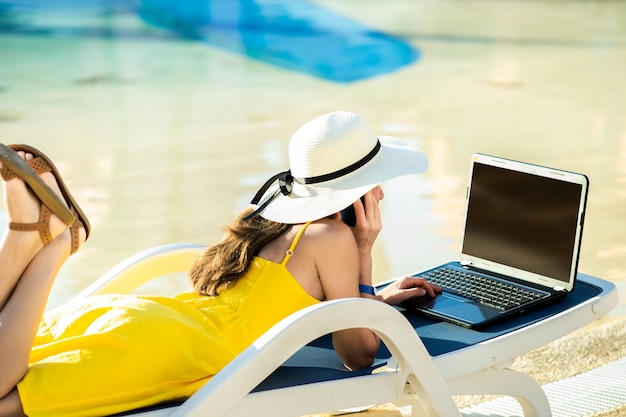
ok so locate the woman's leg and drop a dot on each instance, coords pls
(17, 248)
(11, 406)
(27, 272)
(21, 315)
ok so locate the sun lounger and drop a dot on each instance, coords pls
(292, 370)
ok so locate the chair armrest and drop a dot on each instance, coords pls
(143, 267)
(225, 394)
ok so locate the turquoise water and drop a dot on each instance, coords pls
(295, 35)
(165, 118)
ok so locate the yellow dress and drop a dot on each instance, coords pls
(114, 353)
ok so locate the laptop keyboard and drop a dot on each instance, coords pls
(482, 289)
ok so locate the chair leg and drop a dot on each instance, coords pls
(522, 387)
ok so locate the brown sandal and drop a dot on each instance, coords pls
(13, 164)
(38, 165)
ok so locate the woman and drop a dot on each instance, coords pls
(289, 250)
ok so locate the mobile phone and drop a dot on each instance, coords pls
(348, 215)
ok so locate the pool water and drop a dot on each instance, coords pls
(165, 117)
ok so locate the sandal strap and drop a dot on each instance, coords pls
(42, 226)
(38, 164)
(75, 232)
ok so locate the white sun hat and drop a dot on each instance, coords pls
(334, 159)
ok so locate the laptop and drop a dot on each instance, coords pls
(520, 245)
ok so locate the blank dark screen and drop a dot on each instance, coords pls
(522, 220)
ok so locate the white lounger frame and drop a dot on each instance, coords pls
(412, 376)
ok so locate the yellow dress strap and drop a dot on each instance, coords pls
(289, 252)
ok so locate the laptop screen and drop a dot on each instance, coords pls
(523, 220)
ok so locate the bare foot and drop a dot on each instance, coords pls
(23, 207)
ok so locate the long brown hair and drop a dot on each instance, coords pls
(222, 264)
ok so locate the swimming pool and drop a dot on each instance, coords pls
(166, 116)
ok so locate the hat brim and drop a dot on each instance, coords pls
(309, 202)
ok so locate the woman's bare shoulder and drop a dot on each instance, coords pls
(328, 227)
(329, 233)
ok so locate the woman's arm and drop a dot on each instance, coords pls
(368, 225)
(338, 264)
(343, 258)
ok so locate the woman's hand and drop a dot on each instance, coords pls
(407, 287)
(368, 220)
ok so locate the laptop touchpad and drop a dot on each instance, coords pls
(460, 308)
